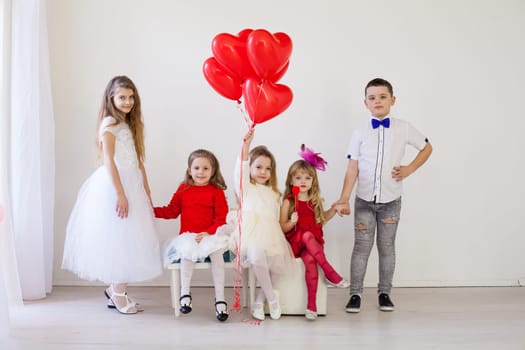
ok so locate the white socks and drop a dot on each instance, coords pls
(263, 276)
(217, 272)
(186, 272)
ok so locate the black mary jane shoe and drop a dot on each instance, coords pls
(221, 315)
(185, 308)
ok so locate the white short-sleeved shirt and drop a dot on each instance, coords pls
(377, 152)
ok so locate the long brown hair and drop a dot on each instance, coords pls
(262, 151)
(133, 118)
(314, 192)
(216, 177)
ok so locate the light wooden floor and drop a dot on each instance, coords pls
(425, 318)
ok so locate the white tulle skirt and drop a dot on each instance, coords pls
(184, 246)
(262, 243)
(101, 246)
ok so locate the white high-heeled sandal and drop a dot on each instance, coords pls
(139, 307)
(125, 309)
(111, 304)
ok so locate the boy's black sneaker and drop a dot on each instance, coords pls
(354, 304)
(385, 304)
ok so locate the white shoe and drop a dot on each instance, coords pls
(128, 309)
(343, 284)
(258, 311)
(310, 315)
(275, 308)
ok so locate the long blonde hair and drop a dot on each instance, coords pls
(314, 193)
(262, 151)
(133, 118)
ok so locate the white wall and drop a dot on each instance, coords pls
(457, 70)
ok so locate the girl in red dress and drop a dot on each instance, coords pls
(302, 218)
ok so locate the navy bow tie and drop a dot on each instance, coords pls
(376, 122)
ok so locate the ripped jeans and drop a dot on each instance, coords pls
(368, 216)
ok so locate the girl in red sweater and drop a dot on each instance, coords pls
(302, 219)
(202, 206)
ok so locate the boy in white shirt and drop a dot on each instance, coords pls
(375, 153)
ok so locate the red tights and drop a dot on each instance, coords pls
(313, 255)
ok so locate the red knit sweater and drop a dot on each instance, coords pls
(201, 208)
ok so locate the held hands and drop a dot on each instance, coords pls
(122, 206)
(401, 172)
(200, 236)
(341, 207)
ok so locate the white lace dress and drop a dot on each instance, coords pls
(101, 246)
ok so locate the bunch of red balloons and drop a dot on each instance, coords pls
(249, 64)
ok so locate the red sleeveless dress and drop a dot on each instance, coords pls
(305, 211)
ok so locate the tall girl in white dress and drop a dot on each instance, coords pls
(263, 245)
(111, 235)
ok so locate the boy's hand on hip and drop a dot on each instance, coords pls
(401, 172)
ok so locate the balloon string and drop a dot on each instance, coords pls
(247, 120)
(237, 268)
(252, 321)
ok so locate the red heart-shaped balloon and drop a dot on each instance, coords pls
(265, 100)
(230, 51)
(275, 78)
(221, 80)
(243, 34)
(268, 53)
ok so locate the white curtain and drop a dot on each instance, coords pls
(27, 157)
(10, 293)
